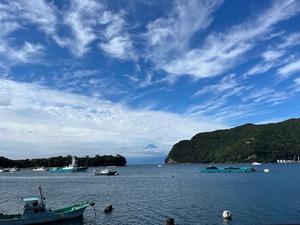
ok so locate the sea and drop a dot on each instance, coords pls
(150, 194)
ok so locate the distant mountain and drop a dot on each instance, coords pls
(150, 146)
(247, 143)
(152, 155)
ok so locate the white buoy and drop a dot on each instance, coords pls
(226, 215)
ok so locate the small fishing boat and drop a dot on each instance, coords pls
(105, 172)
(36, 212)
(214, 169)
(14, 169)
(256, 164)
(40, 169)
(73, 167)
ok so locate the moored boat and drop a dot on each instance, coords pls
(14, 169)
(105, 172)
(40, 169)
(36, 212)
(214, 169)
(73, 167)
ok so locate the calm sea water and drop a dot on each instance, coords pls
(148, 194)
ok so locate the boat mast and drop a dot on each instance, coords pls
(41, 194)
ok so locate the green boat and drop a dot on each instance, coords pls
(36, 212)
(214, 169)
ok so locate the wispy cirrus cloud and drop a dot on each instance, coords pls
(84, 22)
(116, 41)
(28, 53)
(40, 13)
(227, 83)
(219, 99)
(290, 40)
(297, 84)
(14, 16)
(266, 95)
(171, 35)
(261, 68)
(222, 51)
(82, 18)
(120, 47)
(279, 54)
(290, 68)
(272, 55)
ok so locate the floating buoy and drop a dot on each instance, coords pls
(92, 203)
(108, 208)
(226, 215)
(170, 221)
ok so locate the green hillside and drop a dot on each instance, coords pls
(247, 143)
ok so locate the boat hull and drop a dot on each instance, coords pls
(63, 214)
(78, 169)
(105, 172)
(114, 173)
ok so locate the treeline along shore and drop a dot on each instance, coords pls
(60, 161)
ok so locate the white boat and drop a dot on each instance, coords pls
(14, 169)
(266, 170)
(40, 169)
(36, 212)
(256, 164)
(5, 170)
(105, 172)
(73, 167)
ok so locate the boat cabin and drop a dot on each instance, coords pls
(32, 206)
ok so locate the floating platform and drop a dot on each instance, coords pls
(214, 169)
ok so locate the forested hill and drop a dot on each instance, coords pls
(247, 143)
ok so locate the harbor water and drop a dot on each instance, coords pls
(149, 194)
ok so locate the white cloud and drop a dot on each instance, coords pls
(277, 55)
(290, 69)
(297, 84)
(40, 13)
(16, 15)
(225, 50)
(119, 47)
(172, 34)
(81, 18)
(7, 19)
(290, 40)
(55, 123)
(261, 68)
(117, 42)
(272, 55)
(28, 53)
(226, 83)
(266, 96)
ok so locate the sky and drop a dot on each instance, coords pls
(86, 77)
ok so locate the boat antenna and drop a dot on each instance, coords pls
(41, 194)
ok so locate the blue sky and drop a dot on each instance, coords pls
(113, 77)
